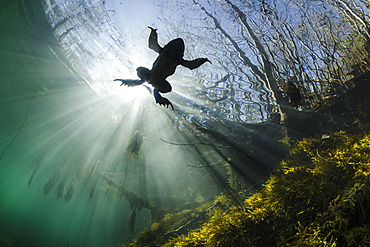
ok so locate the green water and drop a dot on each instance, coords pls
(43, 148)
(61, 140)
(28, 67)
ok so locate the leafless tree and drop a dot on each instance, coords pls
(311, 45)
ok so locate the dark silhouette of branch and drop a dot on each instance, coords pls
(194, 143)
(136, 203)
(241, 53)
(191, 224)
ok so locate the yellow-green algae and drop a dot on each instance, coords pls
(318, 196)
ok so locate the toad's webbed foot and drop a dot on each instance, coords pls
(153, 29)
(161, 100)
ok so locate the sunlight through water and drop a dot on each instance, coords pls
(95, 161)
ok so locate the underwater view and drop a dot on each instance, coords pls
(184, 123)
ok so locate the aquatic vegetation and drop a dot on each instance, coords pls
(51, 183)
(69, 194)
(318, 196)
(135, 145)
(60, 190)
(161, 231)
(38, 164)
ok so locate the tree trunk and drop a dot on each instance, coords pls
(267, 73)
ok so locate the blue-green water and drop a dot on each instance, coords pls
(64, 133)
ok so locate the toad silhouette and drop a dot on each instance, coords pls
(170, 56)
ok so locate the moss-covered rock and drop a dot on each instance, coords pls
(318, 196)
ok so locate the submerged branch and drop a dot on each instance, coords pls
(194, 143)
(191, 223)
(133, 198)
(209, 165)
(136, 204)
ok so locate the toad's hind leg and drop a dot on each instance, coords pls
(161, 100)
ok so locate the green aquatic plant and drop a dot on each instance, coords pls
(135, 145)
(318, 196)
(171, 224)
